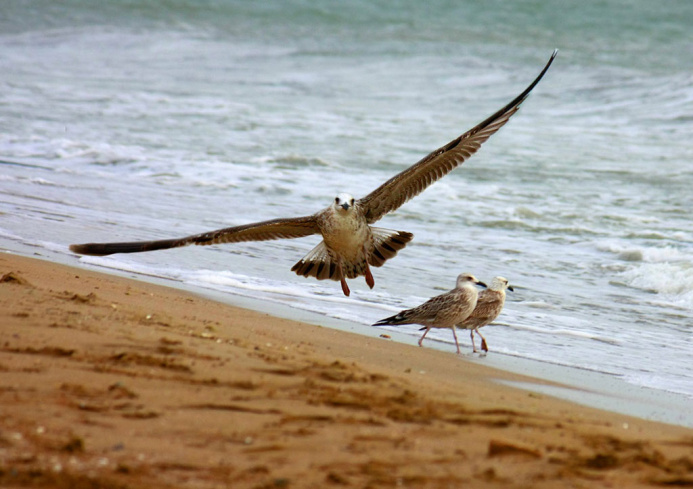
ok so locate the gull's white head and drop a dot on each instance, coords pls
(500, 283)
(465, 279)
(344, 202)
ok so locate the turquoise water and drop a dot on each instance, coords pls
(122, 121)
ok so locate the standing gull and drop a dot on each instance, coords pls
(488, 307)
(350, 245)
(442, 311)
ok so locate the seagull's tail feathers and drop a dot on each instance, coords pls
(403, 317)
(319, 264)
(103, 249)
(386, 244)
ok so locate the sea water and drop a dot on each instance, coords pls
(128, 121)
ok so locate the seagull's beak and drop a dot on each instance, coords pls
(345, 206)
(478, 282)
(510, 288)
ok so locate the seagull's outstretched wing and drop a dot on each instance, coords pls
(412, 181)
(260, 231)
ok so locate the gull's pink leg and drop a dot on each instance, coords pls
(424, 335)
(454, 333)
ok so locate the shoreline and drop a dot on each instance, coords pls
(584, 386)
(125, 368)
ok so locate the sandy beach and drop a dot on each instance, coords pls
(114, 383)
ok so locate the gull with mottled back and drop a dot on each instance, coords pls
(350, 245)
(442, 311)
(488, 307)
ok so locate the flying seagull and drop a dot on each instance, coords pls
(488, 307)
(442, 311)
(350, 244)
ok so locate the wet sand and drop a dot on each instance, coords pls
(108, 382)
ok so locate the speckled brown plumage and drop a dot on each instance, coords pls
(442, 311)
(488, 307)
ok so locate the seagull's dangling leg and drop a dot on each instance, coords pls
(342, 280)
(345, 287)
(369, 277)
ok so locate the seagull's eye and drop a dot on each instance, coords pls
(336, 200)
(352, 203)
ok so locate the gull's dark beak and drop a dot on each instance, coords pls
(510, 288)
(345, 206)
(478, 282)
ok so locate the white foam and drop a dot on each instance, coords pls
(665, 270)
(672, 280)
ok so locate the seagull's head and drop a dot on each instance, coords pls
(500, 283)
(344, 202)
(467, 278)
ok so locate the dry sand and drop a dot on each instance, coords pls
(114, 383)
